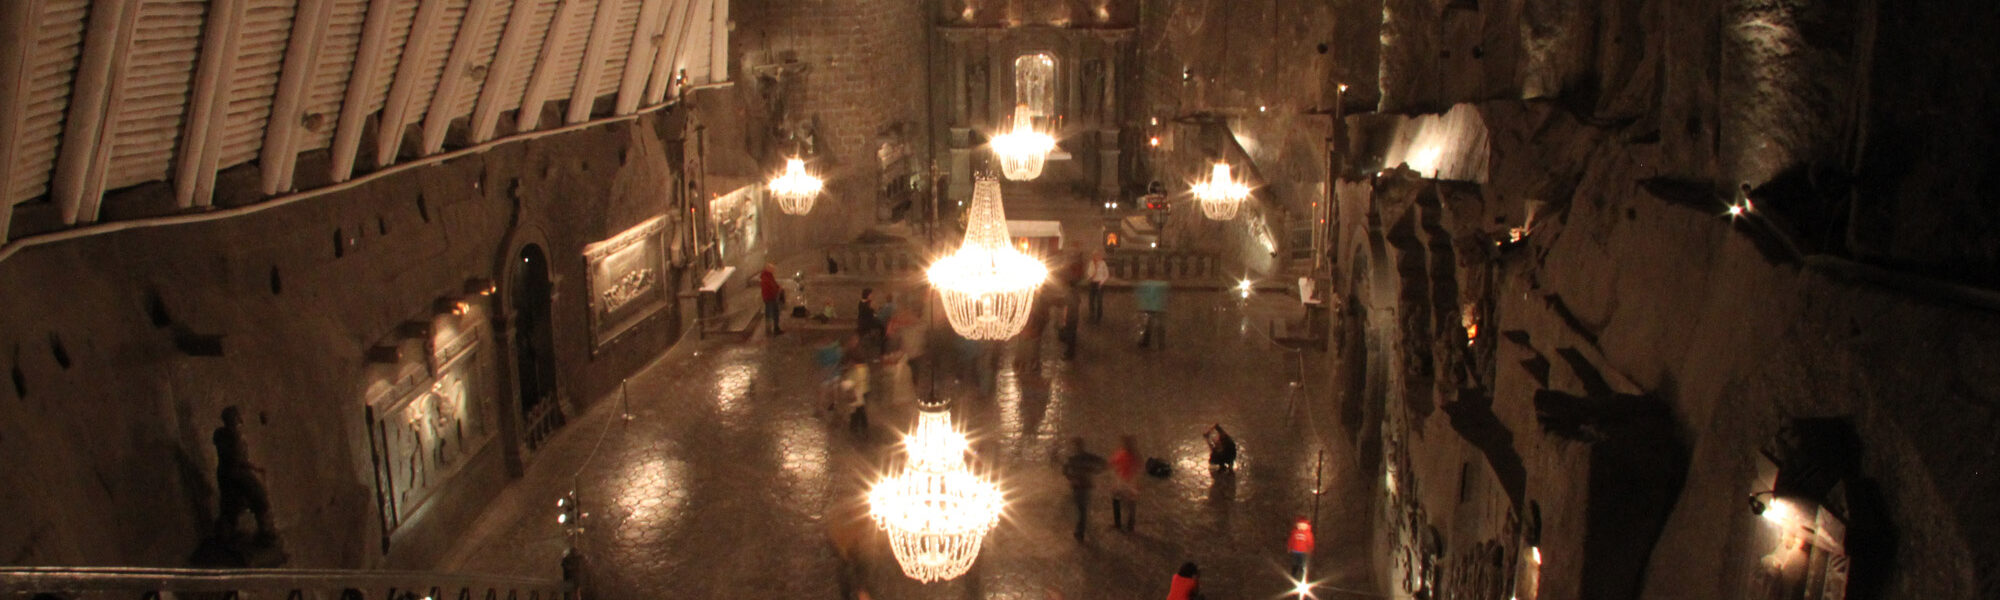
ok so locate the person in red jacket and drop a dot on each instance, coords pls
(1186, 584)
(1125, 497)
(767, 281)
(1301, 545)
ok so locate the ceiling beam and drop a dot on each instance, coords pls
(507, 62)
(354, 106)
(718, 41)
(417, 52)
(670, 47)
(281, 132)
(638, 64)
(19, 20)
(208, 108)
(97, 93)
(437, 120)
(598, 45)
(559, 35)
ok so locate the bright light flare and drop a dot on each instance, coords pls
(1022, 150)
(795, 189)
(1221, 194)
(1302, 589)
(988, 286)
(936, 511)
(1244, 287)
(1426, 161)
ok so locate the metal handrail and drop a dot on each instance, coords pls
(331, 582)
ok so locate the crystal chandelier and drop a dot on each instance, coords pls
(936, 511)
(796, 189)
(987, 285)
(1221, 195)
(1022, 150)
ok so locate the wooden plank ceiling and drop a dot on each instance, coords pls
(99, 95)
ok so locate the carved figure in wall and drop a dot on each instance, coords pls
(1093, 88)
(237, 484)
(975, 89)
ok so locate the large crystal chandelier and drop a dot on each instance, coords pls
(1022, 150)
(987, 285)
(1221, 195)
(796, 189)
(936, 511)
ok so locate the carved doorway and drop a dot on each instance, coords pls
(534, 344)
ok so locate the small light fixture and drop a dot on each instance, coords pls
(1261, 108)
(1243, 287)
(448, 305)
(481, 286)
(1343, 88)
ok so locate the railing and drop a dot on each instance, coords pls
(875, 260)
(543, 421)
(1162, 265)
(72, 583)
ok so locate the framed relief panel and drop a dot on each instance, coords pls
(627, 279)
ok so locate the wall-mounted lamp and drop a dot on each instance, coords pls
(481, 286)
(1757, 505)
(448, 305)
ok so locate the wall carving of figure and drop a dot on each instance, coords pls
(1093, 89)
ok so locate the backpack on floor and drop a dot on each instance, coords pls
(1158, 468)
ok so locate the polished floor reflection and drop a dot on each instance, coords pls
(731, 480)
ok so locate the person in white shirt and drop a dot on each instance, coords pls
(1098, 273)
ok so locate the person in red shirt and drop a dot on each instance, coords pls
(767, 282)
(1301, 545)
(1186, 584)
(1125, 497)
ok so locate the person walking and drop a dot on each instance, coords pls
(1098, 273)
(1300, 544)
(1125, 497)
(1221, 449)
(866, 323)
(1151, 298)
(774, 297)
(1186, 584)
(1081, 470)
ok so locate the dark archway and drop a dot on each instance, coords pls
(534, 343)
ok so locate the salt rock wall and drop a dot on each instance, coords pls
(1572, 367)
(842, 79)
(106, 419)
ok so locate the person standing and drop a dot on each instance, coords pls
(1081, 470)
(1098, 273)
(1301, 546)
(1125, 497)
(236, 481)
(1221, 449)
(774, 296)
(1186, 584)
(866, 324)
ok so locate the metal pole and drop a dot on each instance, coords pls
(625, 398)
(1319, 463)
